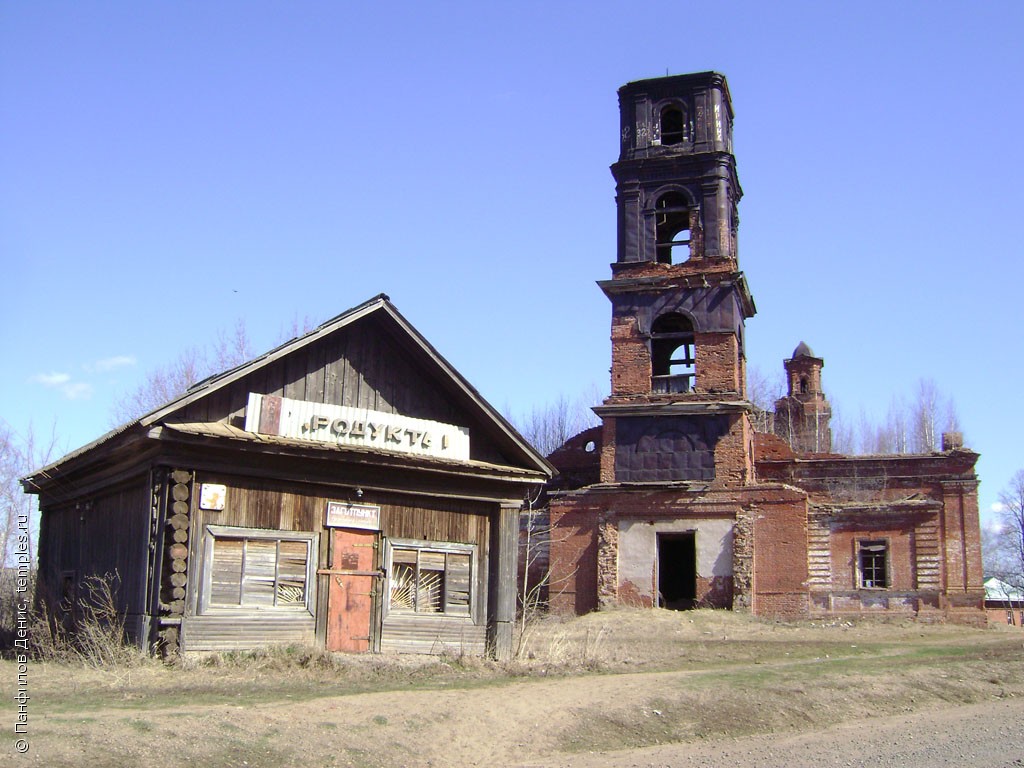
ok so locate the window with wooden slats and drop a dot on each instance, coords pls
(426, 579)
(257, 569)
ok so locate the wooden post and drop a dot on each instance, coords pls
(503, 556)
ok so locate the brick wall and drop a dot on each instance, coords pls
(608, 451)
(780, 558)
(631, 358)
(572, 587)
(733, 465)
(897, 531)
(718, 369)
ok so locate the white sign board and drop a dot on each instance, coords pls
(341, 514)
(212, 496)
(359, 427)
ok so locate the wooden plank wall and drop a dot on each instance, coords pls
(430, 519)
(246, 630)
(273, 505)
(249, 504)
(99, 535)
(442, 521)
(362, 366)
(411, 633)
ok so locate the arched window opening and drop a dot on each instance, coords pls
(673, 361)
(672, 233)
(673, 126)
(803, 385)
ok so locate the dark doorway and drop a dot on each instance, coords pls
(677, 571)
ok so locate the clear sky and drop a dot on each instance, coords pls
(169, 168)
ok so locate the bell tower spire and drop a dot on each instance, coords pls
(679, 301)
(803, 417)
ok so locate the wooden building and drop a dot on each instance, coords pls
(348, 489)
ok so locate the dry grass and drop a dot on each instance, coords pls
(90, 633)
(608, 680)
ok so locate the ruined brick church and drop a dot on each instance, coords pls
(676, 500)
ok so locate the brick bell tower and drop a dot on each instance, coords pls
(677, 409)
(803, 417)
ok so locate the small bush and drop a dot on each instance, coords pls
(10, 599)
(91, 632)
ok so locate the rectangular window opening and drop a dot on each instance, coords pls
(430, 579)
(251, 568)
(873, 563)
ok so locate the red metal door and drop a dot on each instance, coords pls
(351, 598)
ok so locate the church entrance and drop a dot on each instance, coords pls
(677, 570)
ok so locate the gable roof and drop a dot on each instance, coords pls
(997, 589)
(379, 307)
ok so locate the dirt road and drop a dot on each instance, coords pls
(626, 688)
(989, 734)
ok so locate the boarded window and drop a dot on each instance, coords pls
(430, 580)
(258, 569)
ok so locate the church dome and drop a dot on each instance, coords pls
(802, 350)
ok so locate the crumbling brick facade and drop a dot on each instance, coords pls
(675, 501)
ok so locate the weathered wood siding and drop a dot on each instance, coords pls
(263, 505)
(102, 535)
(434, 520)
(246, 630)
(280, 506)
(439, 520)
(363, 366)
(418, 633)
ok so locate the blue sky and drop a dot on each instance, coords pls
(169, 168)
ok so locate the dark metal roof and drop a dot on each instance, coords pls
(802, 350)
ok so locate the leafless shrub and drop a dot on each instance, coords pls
(535, 582)
(10, 600)
(547, 427)
(90, 632)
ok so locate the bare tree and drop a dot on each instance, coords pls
(296, 328)
(997, 557)
(19, 515)
(924, 417)
(1010, 538)
(763, 392)
(844, 440)
(166, 382)
(534, 551)
(547, 427)
(908, 427)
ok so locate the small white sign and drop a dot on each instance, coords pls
(212, 496)
(342, 514)
(343, 425)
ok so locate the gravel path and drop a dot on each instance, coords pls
(971, 736)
